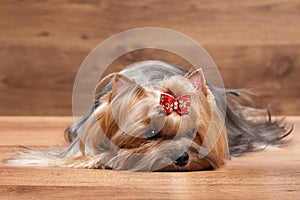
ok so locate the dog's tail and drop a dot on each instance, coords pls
(70, 156)
(250, 128)
(51, 156)
(33, 157)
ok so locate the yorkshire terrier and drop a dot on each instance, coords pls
(155, 116)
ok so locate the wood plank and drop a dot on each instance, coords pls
(172, 189)
(106, 178)
(47, 90)
(33, 131)
(234, 22)
(176, 192)
(44, 42)
(271, 174)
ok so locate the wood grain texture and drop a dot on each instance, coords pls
(42, 44)
(271, 174)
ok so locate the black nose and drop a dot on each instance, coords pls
(181, 159)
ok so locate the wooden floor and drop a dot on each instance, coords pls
(272, 174)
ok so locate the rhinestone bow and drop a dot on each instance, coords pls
(181, 105)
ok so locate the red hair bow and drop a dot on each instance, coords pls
(169, 104)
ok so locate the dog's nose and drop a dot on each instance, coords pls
(181, 159)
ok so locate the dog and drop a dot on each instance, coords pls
(156, 116)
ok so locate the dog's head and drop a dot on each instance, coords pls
(171, 125)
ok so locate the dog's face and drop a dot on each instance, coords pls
(143, 136)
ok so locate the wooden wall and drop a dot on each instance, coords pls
(43, 42)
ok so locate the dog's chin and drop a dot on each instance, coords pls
(187, 168)
(195, 163)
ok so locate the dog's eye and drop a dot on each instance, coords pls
(151, 134)
(192, 133)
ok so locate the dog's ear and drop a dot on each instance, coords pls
(198, 80)
(121, 83)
